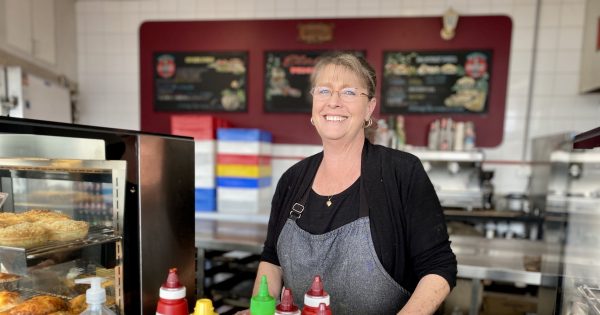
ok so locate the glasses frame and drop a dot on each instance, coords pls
(312, 92)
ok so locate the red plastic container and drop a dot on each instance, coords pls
(172, 296)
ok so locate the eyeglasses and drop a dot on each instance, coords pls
(347, 95)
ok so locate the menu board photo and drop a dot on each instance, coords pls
(287, 80)
(200, 81)
(440, 82)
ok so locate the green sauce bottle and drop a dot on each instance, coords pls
(262, 303)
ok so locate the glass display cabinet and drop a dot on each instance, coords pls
(81, 201)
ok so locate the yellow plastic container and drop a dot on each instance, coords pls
(204, 307)
(238, 170)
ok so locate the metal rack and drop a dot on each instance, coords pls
(97, 235)
(592, 296)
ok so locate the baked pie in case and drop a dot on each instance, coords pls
(38, 305)
(25, 235)
(64, 230)
(34, 215)
(37, 226)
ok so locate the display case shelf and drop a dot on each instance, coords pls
(14, 259)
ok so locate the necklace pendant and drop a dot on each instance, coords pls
(328, 203)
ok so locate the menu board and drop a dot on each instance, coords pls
(200, 81)
(287, 80)
(440, 82)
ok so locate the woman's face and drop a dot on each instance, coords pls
(335, 117)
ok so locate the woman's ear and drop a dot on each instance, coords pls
(371, 107)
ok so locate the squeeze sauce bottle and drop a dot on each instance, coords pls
(262, 303)
(172, 296)
(315, 296)
(95, 297)
(287, 306)
(204, 307)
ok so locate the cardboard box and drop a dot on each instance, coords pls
(508, 304)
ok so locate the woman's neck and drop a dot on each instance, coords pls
(342, 154)
(339, 168)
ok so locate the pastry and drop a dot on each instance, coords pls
(39, 305)
(77, 304)
(23, 235)
(34, 215)
(9, 218)
(64, 230)
(7, 277)
(9, 300)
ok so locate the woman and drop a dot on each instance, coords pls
(364, 217)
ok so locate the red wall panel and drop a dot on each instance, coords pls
(374, 36)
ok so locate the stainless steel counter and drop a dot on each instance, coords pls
(514, 261)
(519, 261)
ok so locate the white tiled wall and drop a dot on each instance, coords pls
(109, 66)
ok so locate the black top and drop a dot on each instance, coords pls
(407, 223)
(322, 219)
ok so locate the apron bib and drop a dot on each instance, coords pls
(346, 260)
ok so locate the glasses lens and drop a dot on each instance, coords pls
(348, 95)
(321, 93)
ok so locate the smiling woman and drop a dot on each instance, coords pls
(343, 89)
(332, 211)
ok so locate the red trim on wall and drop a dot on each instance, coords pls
(371, 35)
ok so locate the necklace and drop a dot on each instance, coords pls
(328, 202)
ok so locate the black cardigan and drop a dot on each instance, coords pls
(407, 222)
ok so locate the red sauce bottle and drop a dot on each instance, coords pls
(172, 296)
(314, 297)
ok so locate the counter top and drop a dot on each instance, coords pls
(523, 261)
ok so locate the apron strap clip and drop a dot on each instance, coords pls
(296, 212)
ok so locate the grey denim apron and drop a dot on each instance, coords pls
(346, 260)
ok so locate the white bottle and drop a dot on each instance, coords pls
(95, 297)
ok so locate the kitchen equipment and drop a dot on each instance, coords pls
(574, 185)
(456, 177)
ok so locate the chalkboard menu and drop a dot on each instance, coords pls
(200, 81)
(440, 82)
(287, 79)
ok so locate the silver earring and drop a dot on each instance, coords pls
(368, 123)
(311, 121)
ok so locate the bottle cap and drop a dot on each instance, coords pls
(316, 288)
(172, 288)
(316, 294)
(262, 303)
(287, 302)
(172, 280)
(96, 293)
(204, 307)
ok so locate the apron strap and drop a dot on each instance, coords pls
(298, 207)
(363, 210)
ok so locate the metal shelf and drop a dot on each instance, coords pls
(449, 156)
(592, 297)
(14, 259)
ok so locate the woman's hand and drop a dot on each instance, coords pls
(244, 312)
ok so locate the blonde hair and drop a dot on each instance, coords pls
(356, 64)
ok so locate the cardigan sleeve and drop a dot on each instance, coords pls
(429, 244)
(269, 253)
